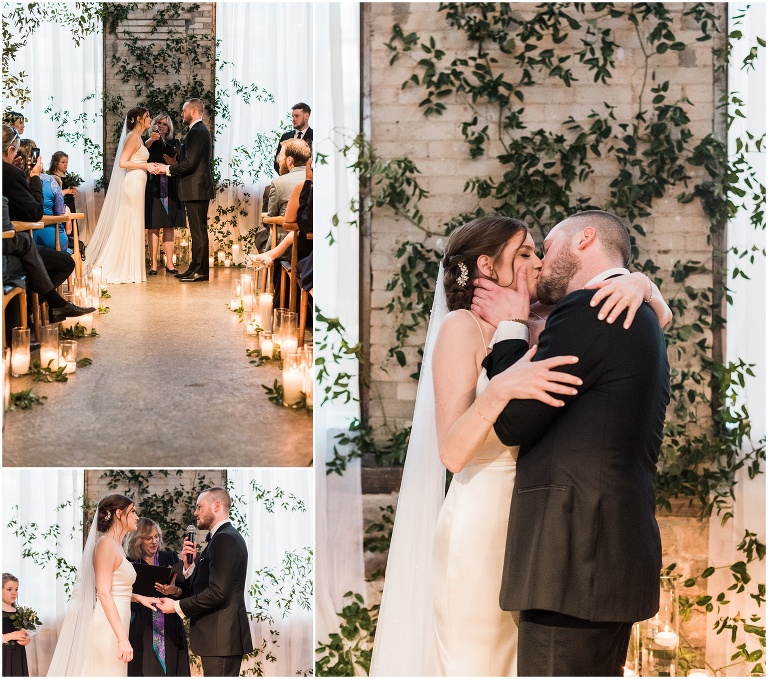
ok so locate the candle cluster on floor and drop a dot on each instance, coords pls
(275, 330)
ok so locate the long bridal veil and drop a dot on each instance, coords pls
(110, 208)
(74, 656)
(405, 634)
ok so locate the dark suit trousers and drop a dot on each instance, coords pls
(45, 268)
(197, 214)
(221, 665)
(556, 645)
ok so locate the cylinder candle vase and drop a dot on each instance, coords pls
(19, 351)
(49, 346)
(293, 379)
(661, 634)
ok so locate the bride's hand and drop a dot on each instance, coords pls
(620, 293)
(148, 602)
(124, 650)
(495, 304)
(537, 380)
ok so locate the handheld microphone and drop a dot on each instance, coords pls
(190, 535)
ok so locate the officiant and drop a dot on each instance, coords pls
(159, 641)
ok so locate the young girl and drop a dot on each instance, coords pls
(14, 653)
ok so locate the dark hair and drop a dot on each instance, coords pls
(55, 158)
(10, 117)
(219, 494)
(302, 106)
(144, 529)
(482, 236)
(105, 512)
(611, 230)
(10, 138)
(133, 116)
(25, 151)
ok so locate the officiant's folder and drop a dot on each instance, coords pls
(147, 576)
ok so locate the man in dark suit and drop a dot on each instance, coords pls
(301, 130)
(583, 548)
(218, 624)
(195, 186)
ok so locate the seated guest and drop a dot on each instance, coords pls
(15, 120)
(293, 158)
(53, 201)
(301, 129)
(59, 168)
(44, 268)
(159, 641)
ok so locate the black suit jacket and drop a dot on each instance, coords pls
(218, 623)
(307, 137)
(583, 538)
(194, 166)
(25, 199)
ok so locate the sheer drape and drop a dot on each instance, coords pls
(746, 340)
(270, 45)
(339, 504)
(57, 68)
(37, 496)
(270, 536)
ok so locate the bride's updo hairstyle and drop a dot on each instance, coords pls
(105, 513)
(133, 116)
(482, 236)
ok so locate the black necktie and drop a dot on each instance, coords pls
(298, 135)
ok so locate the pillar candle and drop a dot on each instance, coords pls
(293, 382)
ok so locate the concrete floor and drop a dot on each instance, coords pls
(170, 386)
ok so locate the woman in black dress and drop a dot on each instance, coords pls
(164, 210)
(159, 641)
(14, 641)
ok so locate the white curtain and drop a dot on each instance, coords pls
(39, 494)
(56, 68)
(746, 339)
(270, 45)
(270, 536)
(339, 502)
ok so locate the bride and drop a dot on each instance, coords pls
(117, 244)
(93, 641)
(440, 613)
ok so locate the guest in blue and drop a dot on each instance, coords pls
(53, 203)
(159, 641)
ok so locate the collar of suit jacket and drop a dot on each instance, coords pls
(616, 271)
(218, 525)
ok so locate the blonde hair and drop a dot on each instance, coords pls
(159, 117)
(144, 529)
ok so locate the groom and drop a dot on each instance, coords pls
(195, 186)
(583, 548)
(218, 625)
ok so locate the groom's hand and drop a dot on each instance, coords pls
(166, 605)
(170, 160)
(495, 304)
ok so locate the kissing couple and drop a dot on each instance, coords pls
(545, 549)
(94, 640)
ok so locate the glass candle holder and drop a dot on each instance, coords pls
(661, 634)
(266, 344)
(220, 255)
(250, 323)
(293, 379)
(265, 310)
(19, 351)
(309, 382)
(68, 356)
(49, 346)
(7, 377)
(96, 277)
(210, 261)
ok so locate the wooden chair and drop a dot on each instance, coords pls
(305, 307)
(72, 217)
(11, 292)
(267, 282)
(34, 301)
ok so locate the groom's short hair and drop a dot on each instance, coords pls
(197, 104)
(219, 494)
(611, 230)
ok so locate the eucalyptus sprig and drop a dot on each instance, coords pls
(47, 373)
(24, 400)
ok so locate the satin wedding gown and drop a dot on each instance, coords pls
(122, 258)
(105, 662)
(474, 636)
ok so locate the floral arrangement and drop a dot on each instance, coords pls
(71, 180)
(25, 618)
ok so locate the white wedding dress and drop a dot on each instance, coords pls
(105, 662)
(474, 637)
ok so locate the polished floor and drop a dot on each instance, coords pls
(170, 386)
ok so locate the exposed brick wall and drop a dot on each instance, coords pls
(398, 128)
(139, 22)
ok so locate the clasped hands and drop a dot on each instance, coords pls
(156, 168)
